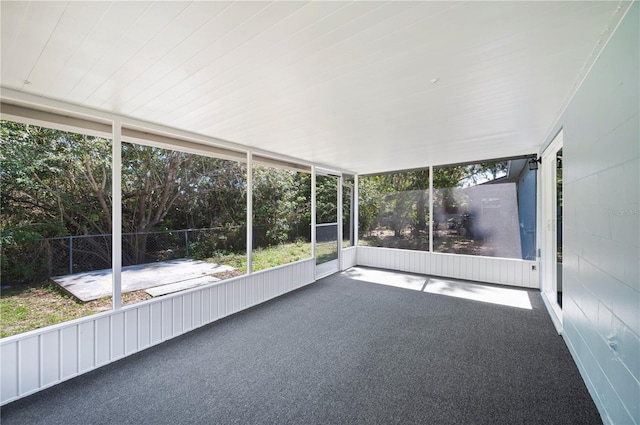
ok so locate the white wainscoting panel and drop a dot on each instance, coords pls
(44, 357)
(504, 271)
(349, 257)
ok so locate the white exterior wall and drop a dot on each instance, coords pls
(505, 271)
(41, 358)
(601, 300)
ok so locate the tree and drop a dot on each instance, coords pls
(448, 180)
(281, 205)
(369, 205)
(54, 183)
(399, 198)
(326, 199)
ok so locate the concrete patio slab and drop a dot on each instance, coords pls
(97, 284)
(157, 291)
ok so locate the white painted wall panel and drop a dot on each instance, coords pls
(28, 359)
(258, 279)
(517, 276)
(464, 266)
(349, 257)
(441, 263)
(504, 271)
(131, 331)
(249, 294)
(271, 284)
(177, 319)
(430, 264)
(117, 336)
(601, 158)
(44, 357)
(213, 303)
(144, 326)
(475, 269)
(156, 323)
(167, 318)
(68, 352)
(228, 298)
(50, 355)
(187, 312)
(9, 386)
(285, 281)
(196, 307)
(86, 346)
(205, 294)
(410, 262)
(103, 340)
(237, 296)
(224, 299)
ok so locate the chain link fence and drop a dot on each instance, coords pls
(31, 261)
(35, 260)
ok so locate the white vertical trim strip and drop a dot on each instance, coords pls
(430, 208)
(313, 213)
(249, 218)
(356, 208)
(339, 221)
(116, 214)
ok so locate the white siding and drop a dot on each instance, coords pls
(601, 302)
(504, 271)
(44, 357)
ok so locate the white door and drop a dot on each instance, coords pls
(327, 226)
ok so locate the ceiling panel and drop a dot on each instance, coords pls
(25, 47)
(345, 84)
(191, 56)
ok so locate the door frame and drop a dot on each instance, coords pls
(331, 266)
(548, 230)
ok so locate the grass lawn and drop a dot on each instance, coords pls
(264, 258)
(326, 252)
(26, 308)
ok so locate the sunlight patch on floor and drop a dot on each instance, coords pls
(478, 292)
(386, 277)
(441, 286)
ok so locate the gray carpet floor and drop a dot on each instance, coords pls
(339, 351)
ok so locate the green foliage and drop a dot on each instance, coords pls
(398, 202)
(56, 183)
(369, 206)
(281, 205)
(326, 199)
(264, 258)
(206, 243)
(447, 182)
(468, 174)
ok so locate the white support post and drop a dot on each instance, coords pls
(249, 213)
(116, 215)
(340, 232)
(430, 208)
(355, 208)
(313, 212)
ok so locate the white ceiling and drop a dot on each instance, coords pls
(346, 84)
